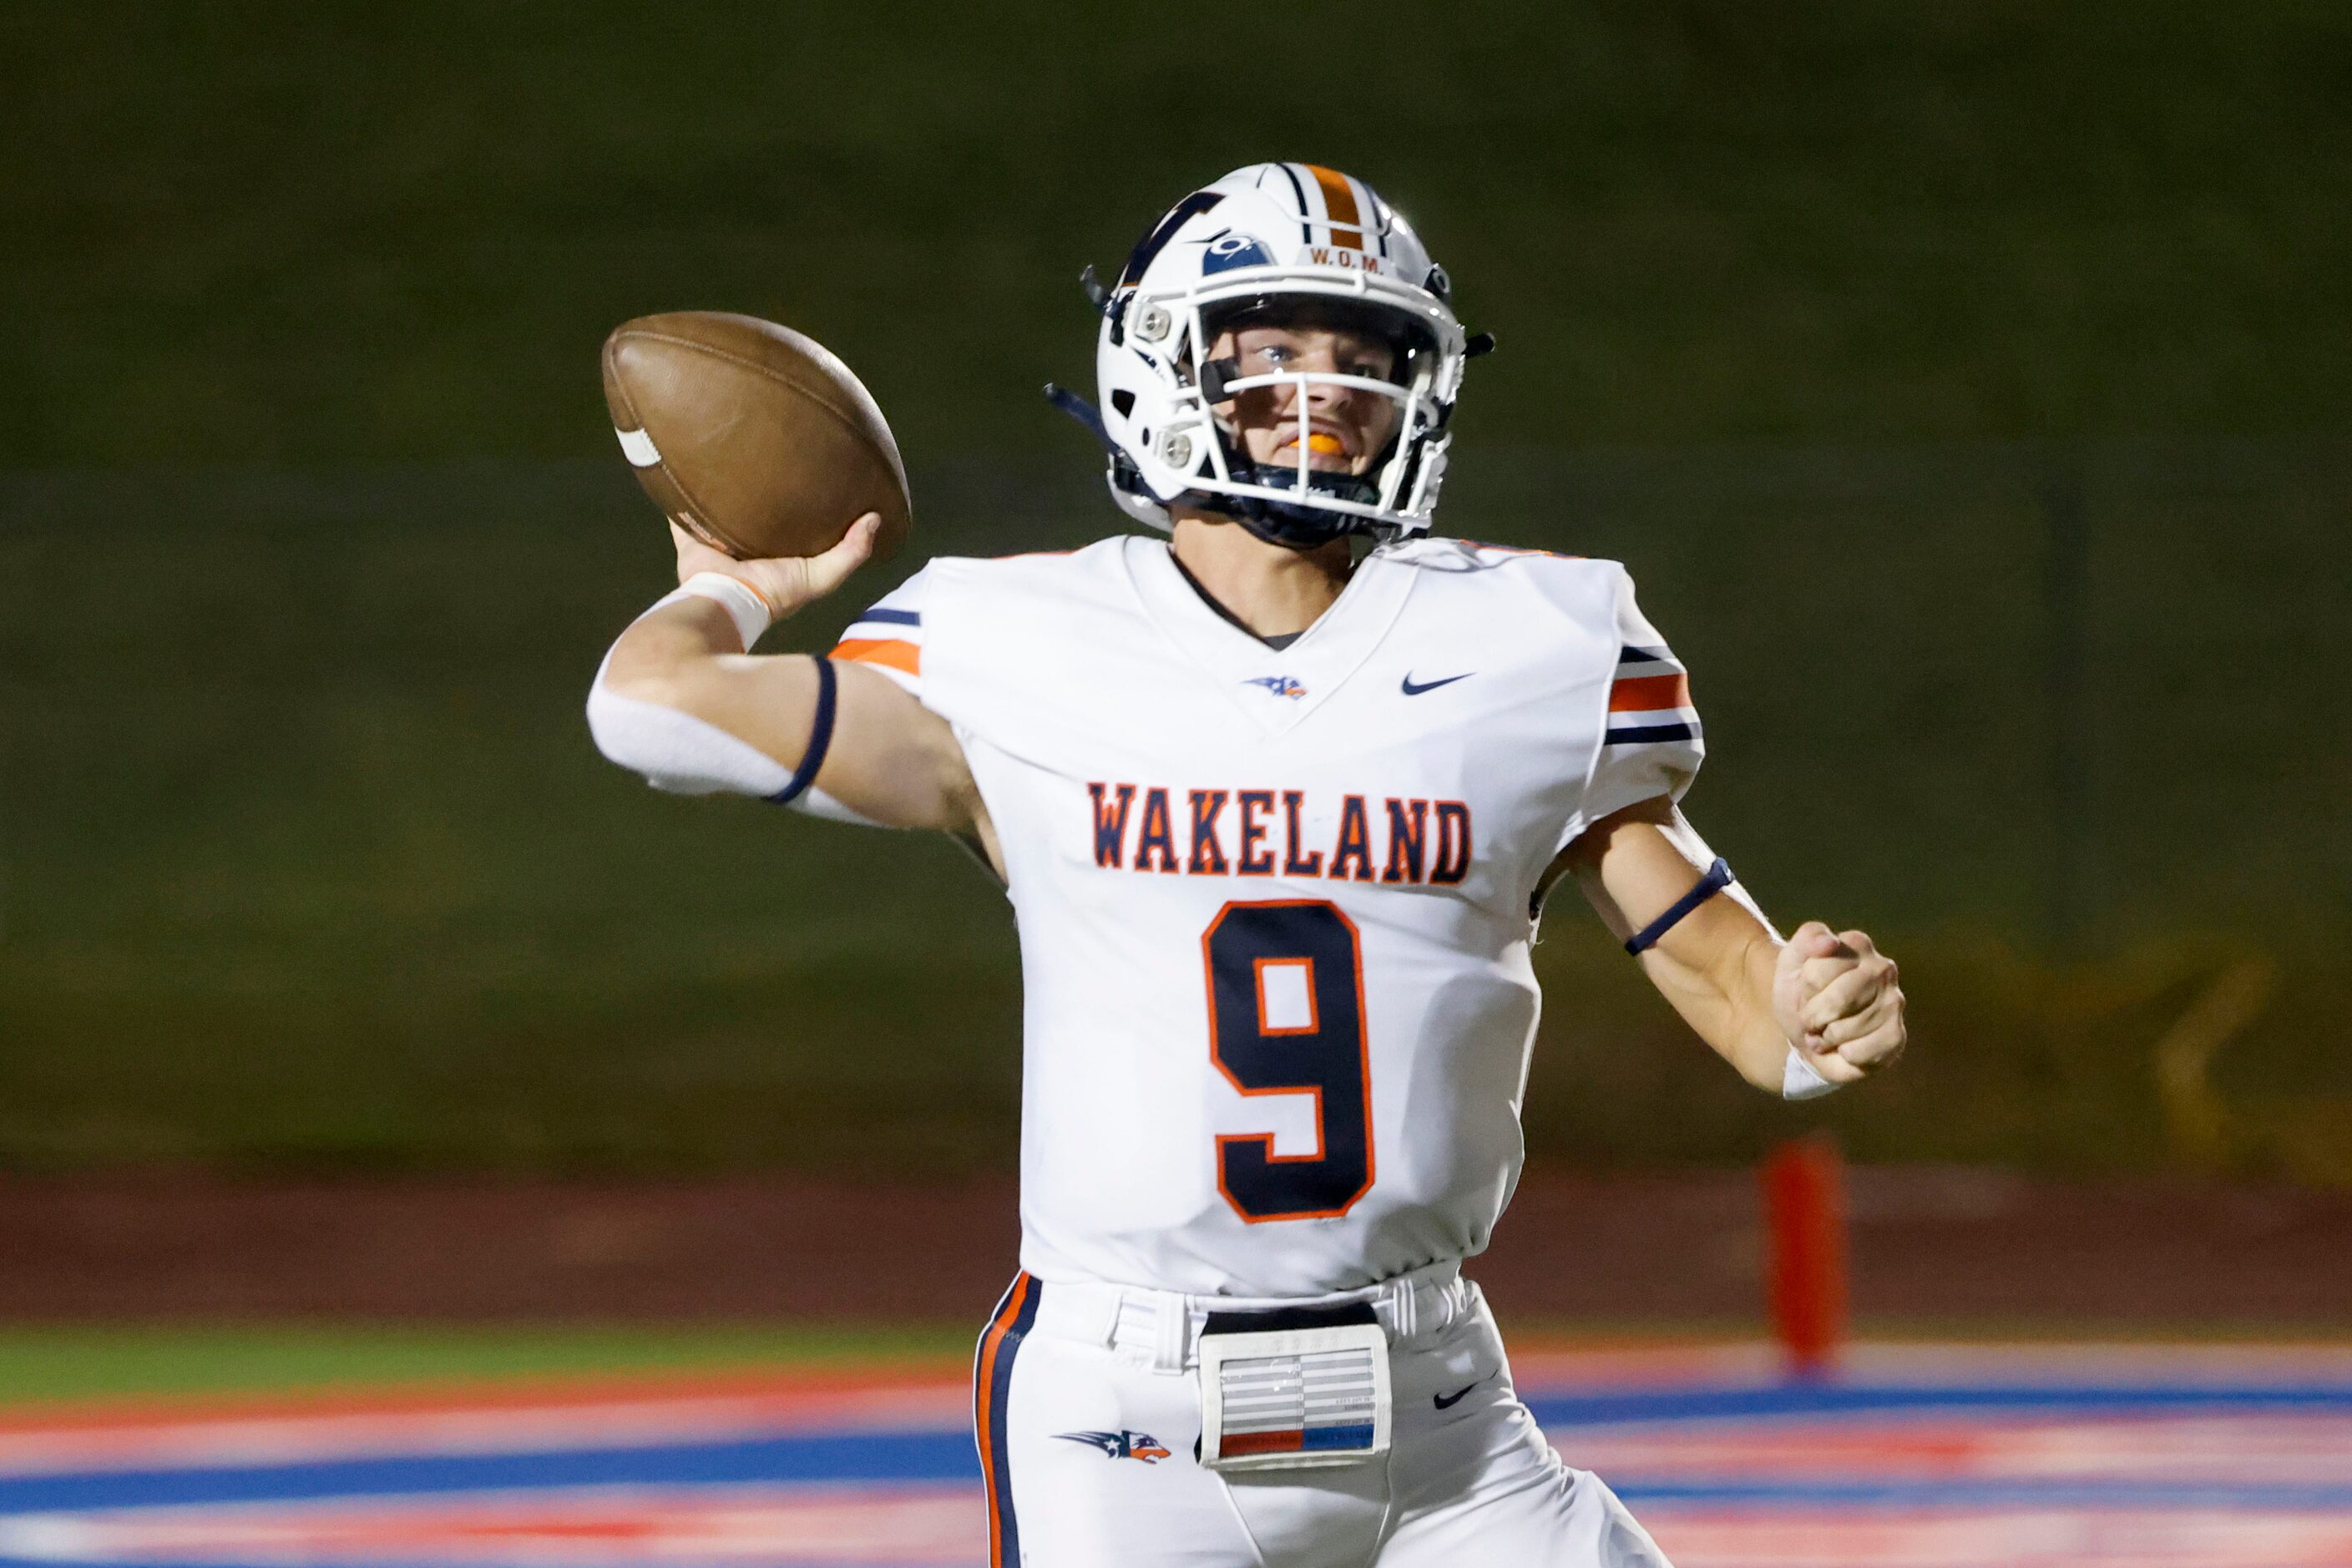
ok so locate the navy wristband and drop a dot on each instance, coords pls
(820, 738)
(1717, 878)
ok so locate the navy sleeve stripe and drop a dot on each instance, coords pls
(1640, 733)
(820, 739)
(896, 617)
(1629, 654)
(1719, 876)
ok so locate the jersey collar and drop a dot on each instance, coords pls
(1273, 688)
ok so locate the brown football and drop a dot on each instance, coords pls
(757, 440)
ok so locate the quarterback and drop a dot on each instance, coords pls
(1276, 799)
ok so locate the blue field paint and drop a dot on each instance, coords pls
(1736, 1472)
(1943, 1492)
(378, 1562)
(945, 1455)
(1926, 1399)
(150, 1562)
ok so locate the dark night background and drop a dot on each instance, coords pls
(1966, 385)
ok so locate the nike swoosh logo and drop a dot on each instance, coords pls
(1410, 690)
(1448, 1401)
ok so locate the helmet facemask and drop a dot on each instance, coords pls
(1300, 505)
(1297, 505)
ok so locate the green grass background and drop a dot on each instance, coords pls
(310, 532)
(310, 863)
(41, 1363)
(337, 230)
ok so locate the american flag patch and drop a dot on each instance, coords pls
(1294, 1399)
(1298, 1404)
(1650, 699)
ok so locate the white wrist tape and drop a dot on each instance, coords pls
(1800, 1080)
(745, 606)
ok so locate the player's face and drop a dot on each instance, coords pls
(1344, 429)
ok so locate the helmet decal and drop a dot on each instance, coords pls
(1228, 251)
(1149, 247)
(1298, 194)
(1341, 215)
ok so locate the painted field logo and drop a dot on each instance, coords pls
(1141, 1445)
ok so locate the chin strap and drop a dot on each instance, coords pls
(1292, 528)
(1286, 523)
(1085, 412)
(1302, 533)
(1293, 536)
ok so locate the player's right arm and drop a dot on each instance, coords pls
(679, 701)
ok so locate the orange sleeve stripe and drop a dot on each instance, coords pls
(890, 652)
(1646, 694)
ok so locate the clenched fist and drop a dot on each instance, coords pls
(1838, 999)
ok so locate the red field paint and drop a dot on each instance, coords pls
(530, 1391)
(1805, 1264)
(1918, 1455)
(521, 1414)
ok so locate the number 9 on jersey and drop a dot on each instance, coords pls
(1287, 1017)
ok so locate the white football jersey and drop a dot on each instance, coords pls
(1274, 906)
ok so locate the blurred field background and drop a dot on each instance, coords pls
(1966, 387)
(310, 864)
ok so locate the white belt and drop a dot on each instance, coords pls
(1162, 1328)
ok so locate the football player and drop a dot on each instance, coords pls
(1277, 798)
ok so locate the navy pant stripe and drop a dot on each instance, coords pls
(992, 1375)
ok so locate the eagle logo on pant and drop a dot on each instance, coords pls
(1141, 1445)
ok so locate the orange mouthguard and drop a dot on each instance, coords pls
(1325, 442)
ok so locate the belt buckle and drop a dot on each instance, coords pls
(1300, 1388)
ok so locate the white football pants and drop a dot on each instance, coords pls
(1087, 1413)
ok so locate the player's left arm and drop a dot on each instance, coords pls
(1831, 995)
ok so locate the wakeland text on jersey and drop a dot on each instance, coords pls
(1416, 841)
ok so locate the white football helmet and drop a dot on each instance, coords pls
(1264, 240)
